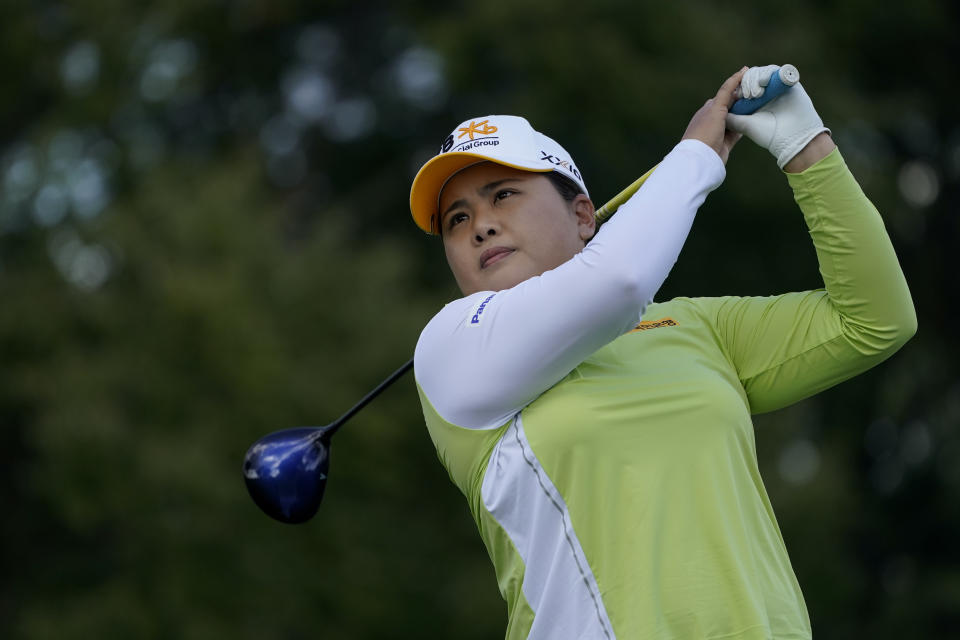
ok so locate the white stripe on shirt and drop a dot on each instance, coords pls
(558, 583)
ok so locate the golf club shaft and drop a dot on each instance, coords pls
(607, 210)
(365, 400)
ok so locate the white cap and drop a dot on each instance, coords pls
(506, 140)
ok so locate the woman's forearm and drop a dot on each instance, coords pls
(815, 151)
(859, 266)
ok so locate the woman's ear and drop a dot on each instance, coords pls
(586, 216)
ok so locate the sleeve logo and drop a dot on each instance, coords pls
(478, 311)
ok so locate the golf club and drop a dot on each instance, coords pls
(286, 471)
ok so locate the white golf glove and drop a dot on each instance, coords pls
(783, 126)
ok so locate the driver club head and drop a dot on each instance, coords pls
(286, 472)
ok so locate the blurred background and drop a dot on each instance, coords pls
(204, 237)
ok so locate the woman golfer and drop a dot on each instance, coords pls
(604, 442)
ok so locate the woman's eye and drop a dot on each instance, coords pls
(503, 193)
(456, 219)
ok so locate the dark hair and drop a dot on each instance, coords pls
(566, 187)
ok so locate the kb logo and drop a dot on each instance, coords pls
(482, 128)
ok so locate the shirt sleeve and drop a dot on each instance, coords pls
(788, 347)
(486, 356)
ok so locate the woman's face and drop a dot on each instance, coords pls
(501, 226)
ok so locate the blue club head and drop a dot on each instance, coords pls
(286, 472)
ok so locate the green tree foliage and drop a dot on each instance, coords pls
(204, 237)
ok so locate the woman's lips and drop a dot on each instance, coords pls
(493, 255)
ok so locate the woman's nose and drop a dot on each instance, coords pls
(485, 225)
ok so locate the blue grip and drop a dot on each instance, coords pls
(776, 87)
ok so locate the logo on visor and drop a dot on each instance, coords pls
(566, 164)
(480, 128)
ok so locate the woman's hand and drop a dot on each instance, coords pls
(709, 123)
(788, 127)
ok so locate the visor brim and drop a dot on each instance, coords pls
(430, 180)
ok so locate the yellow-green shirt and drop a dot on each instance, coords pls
(625, 501)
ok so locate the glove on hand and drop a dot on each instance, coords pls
(783, 126)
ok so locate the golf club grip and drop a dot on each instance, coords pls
(784, 78)
(780, 81)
